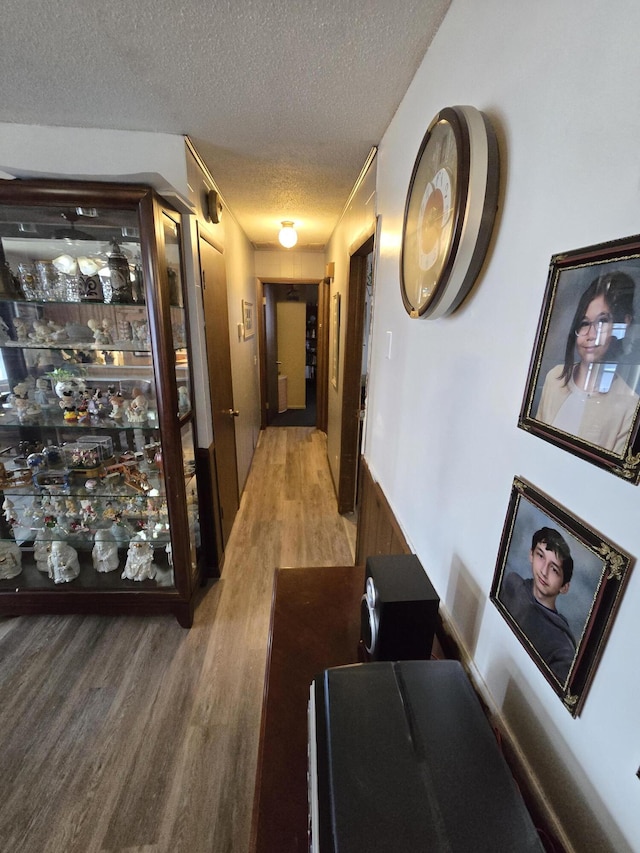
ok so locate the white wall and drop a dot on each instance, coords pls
(280, 265)
(561, 84)
(241, 284)
(37, 151)
(238, 253)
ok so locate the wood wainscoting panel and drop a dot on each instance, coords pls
(378, 530)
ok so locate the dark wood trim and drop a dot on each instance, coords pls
(210, 525)
(152, 211)
(322, 375)
(378, 530)
(266, 299)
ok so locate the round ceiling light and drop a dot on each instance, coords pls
(288, 236)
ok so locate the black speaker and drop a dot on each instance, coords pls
(399, 609)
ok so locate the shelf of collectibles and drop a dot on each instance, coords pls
(97, 453)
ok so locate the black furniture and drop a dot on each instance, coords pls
(404, 759)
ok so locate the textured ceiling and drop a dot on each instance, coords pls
(283, 100)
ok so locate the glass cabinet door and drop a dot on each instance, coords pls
(82, 452)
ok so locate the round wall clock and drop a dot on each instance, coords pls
(449, 213)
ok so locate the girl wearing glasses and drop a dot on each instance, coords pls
(586, 396)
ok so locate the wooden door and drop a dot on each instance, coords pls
(352, 410)
(270, 399)
(214, 290)
(322, 374)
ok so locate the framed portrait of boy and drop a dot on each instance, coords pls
(557, 583)
(583, 386)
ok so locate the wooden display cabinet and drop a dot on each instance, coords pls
(97, 481)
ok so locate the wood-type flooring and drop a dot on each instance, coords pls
(134, 734)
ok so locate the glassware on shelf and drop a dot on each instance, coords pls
(27, 278)
(119, 275)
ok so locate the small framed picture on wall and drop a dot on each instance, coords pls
(247, 319)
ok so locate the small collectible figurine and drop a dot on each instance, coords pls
(70, 414)
(42, 549)
(139, 565)
(137, 409)
(87, 512)
(121, 531)
(105, 552)
(101, 332)
(140, 330)
(184, 403)
(22, 329)
(41, 395)
(63, 565)
(99, 404)
(117, 405)
(10, 560)
(9, 512)
(41, 333)
(67, 399)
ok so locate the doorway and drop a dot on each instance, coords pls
(214, 294)
(290, 353)
(359, 315)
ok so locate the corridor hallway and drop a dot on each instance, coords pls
(133, 734)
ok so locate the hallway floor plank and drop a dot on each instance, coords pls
(132, 734)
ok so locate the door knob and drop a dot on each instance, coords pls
(234, 413)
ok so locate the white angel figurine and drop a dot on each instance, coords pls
(105, 551)
(10, 560)
(63, 564)
(139, 565)
(42, 549)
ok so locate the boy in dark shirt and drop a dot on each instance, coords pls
(532, 601)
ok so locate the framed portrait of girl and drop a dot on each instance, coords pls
(583, 387)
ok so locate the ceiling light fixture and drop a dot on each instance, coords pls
(288, 236)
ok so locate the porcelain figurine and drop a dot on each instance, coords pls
(139, 565)
(101, 332)
(9, 511)
(117, 405)
(41, 394)
(105, 552)
(120, 529)
(22, 329)
(42, 549)
(63, 565)
(140, 331)
(184, 402)
(10, 560)
(137, 409)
